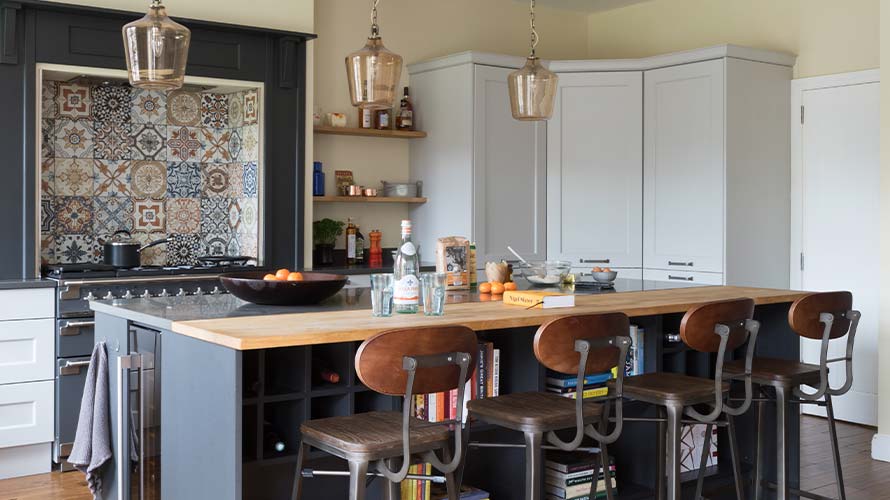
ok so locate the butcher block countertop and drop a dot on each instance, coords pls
(285, 330)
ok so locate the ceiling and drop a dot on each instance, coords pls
(585, 5)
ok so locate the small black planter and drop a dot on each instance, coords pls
(325, 253)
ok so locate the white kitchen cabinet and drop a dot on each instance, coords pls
(27, 350)
(483, 172)
(26, 414)
(27, 303)
(595, 170)
(676, 276)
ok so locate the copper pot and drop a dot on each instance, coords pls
(372, 192)
(354, 190)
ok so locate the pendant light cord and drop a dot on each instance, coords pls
(375, 30)
(534, 32)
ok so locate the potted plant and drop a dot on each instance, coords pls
(324, 234)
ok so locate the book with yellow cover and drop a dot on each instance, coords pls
(531, 299)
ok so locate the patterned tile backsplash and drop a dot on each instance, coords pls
(181, 165)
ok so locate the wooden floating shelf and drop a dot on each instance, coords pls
(367, 199)
(371, 132)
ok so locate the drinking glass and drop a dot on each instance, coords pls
(381, 295)
(433, 292)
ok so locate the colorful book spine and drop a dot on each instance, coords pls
(496, 373)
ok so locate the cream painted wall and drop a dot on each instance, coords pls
(881, 445)
(417, 30)
(828, 36)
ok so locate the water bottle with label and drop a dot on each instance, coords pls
(406, 271)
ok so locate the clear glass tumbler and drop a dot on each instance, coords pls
(433, 292)
(381, 295)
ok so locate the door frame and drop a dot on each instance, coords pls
(798, 87)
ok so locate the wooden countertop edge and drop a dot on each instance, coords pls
(301, 329)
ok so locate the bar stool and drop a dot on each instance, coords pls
(819, 316)
(401, 362)
(576, 345)
(714, 327)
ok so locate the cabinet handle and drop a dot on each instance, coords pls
(595, 261)
(73, 367)
(71, 328)
(681, 278)
(685, 264)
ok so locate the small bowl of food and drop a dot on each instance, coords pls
(604, 274)
(546, 273)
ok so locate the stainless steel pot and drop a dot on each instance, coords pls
(403, 189)
(121, 250)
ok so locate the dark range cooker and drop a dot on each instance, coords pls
(78, 284)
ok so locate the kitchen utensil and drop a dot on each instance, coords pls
(122, 251)
(548, 272)
(517, 255)
(604, 276)
(251, 287)
(372, 192)
(402, 189)
(354, 190)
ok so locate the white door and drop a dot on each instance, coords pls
(683, 171)
(837, 225)
(595, 170)
(509, 174)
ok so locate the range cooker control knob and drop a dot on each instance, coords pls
(198, 291)
(215, 291)
(90, 296)
(127, 295)
(181, 293)
(146, 294)
(108, 296)
(164, 293)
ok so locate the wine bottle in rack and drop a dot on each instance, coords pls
(271, 440)
(323, 372)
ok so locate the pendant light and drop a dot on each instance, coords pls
(373, 71)
(156, 48)
(532, 87)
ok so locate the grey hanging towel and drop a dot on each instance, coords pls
(92, 443)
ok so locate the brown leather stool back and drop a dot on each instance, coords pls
(555, 341)
(804, 314)
(698, 324)
(379, 360)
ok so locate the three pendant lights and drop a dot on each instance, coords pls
(156, 48)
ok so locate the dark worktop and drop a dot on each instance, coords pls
(18, 284)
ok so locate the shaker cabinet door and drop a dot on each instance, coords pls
(684, 167)
(595, 170)
(509, 174)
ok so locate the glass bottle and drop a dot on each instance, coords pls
(405, 120)
(359, 246)
(406, 270)
(317, 179)
(350, 241)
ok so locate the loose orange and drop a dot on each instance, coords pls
(297, 276)
(510, 285)
(270, 277)
(485, 287)
(497, 288)
(282, 273)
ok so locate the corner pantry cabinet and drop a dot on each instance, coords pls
(483, 172)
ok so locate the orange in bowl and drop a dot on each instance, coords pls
(282, 274)
(297, 276)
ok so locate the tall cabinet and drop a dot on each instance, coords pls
(484, 172)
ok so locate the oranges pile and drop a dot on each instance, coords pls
(284, 274)
(494, 288)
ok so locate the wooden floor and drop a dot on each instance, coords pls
(866, 479)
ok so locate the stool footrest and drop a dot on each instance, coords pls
(344, 473)
(477, 444)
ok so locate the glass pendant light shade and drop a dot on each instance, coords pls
(532, 90)
(157, 49)
(373, 73)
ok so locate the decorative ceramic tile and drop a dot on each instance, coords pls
(47, 215)
(215, 180)
(215, 110)
(183, 180)
(250, 107)
(148, 215)
(184, 249)
(249, 245)
(250, 143)
(236, 180)
(112, 177)
(215, 216)
(233, 247)
(152, 256)
(235, 144)
(183, 108)
(47, 138)
(73, 138)
(110, 214)
(148, 106)
(113, 140)
(236, 110)
(249, 180)
(111, 103)
(47, 249)
(74, 214)
(183, 215)
(148, 179)
(74, 101)
(74, 177)
(249, 216)
(49, 106)
(184, 144)
(76, 248)
(234, 217)
(216, 244)
(149, 142)
(216, 145)
(47, 177)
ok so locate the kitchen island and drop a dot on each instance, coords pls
(230, 383)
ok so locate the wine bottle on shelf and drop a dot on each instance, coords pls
(271, 439)
(405, 119)
(323, 372)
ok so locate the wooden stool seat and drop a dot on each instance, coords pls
(670, 388)
(531, 411)
(783, 372)
(371, 434)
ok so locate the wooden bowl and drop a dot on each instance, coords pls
(251, 287)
